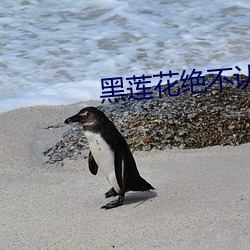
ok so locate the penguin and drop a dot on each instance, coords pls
(110, 152)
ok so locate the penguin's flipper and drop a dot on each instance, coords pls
(93, 167)
(111, 193)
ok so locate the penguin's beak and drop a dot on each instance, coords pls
(74, 118)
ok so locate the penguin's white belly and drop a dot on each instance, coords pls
(104, 157)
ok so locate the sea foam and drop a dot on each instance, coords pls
(57, 52)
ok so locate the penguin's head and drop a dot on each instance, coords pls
(88, 117)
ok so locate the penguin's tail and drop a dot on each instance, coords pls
(141, 185)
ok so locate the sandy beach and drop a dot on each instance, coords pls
(201, 198)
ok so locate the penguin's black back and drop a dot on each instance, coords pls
(132, 180)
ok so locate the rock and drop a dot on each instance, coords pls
(184, 121)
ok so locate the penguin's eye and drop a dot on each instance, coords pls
(84, 115)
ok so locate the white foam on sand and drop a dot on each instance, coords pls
(57, 52)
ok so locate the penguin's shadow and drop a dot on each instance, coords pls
(137, 198)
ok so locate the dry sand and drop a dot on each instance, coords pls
(201, 201)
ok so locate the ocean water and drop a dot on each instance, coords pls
(57, 52)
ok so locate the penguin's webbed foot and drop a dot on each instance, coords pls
(113, 204)
(111, 193)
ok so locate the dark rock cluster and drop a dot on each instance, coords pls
(184, 121)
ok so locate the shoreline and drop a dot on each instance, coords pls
(201, 198)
